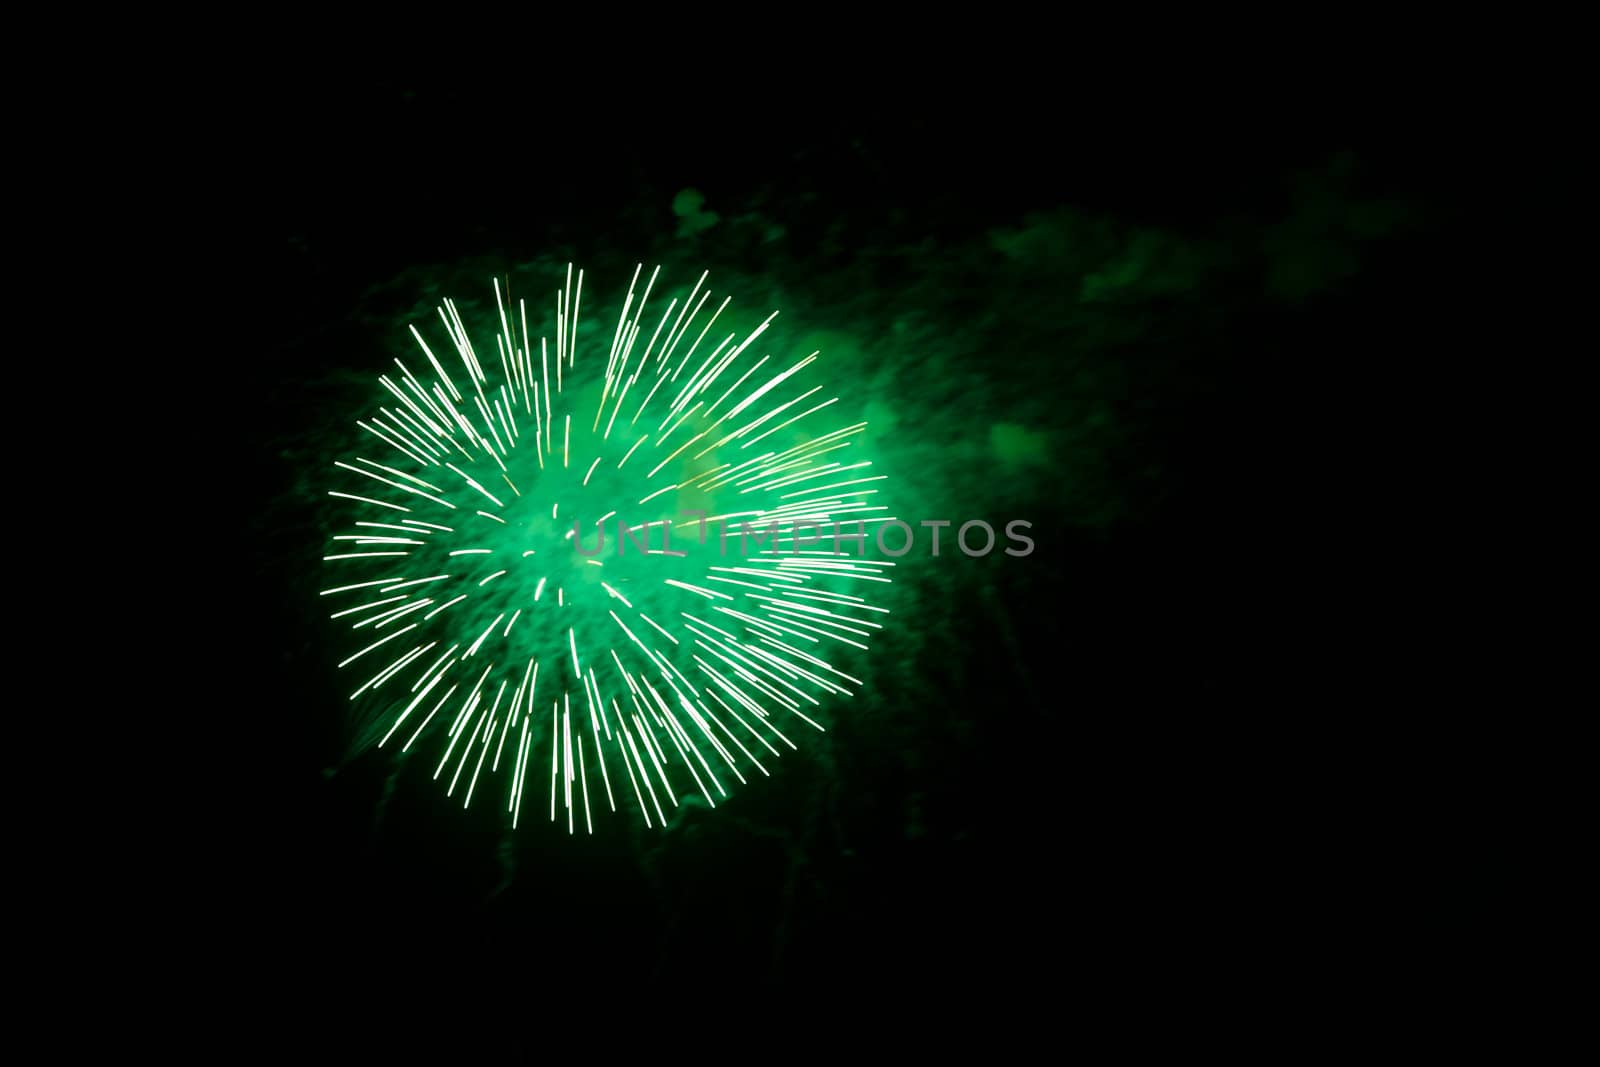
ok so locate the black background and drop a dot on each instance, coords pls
(1234, 790)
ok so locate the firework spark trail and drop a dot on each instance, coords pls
(730, 654)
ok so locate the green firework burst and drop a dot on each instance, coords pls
(662, 662)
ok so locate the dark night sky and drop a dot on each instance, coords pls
(1175, 832)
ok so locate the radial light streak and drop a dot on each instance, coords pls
(634, 669)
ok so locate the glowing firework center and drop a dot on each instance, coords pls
(547, 573)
